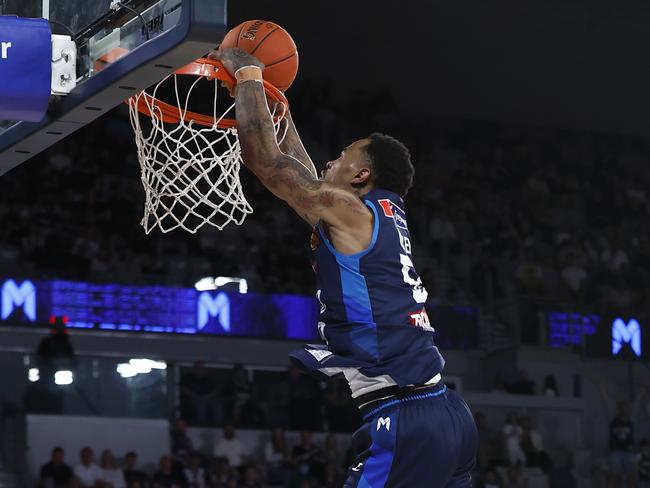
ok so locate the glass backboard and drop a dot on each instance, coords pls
(123, 47)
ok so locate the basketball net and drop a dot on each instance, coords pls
(190, 162)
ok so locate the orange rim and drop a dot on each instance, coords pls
(209, 69)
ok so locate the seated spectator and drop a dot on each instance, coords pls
(133, 477)
(512, 433)
(515, 478)
(522, 385)
(550, 386)
(332, 476)
(113, 477)
(276, 456)
(531, 444)
(223, 475)
(88, 473)
(234, 450)
(165, 477)
(56, 474)
(251, 478)
(199, 401)
(251, 413)
(307, 457)
(491, 480)
(194, 473)
(487, 441)
(181, 442)
(332, 454)
(621, 442)
(643, 464)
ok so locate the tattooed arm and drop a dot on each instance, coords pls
(285, 176)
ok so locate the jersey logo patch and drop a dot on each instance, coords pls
(420, 319)
(320, 354)
(385, 206)
(383, 422)
(394, 212)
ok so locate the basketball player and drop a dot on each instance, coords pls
(417, 433)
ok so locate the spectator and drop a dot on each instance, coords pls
(307, 456)
(194, 473)
(515, 478)
(338, 406)
(251, 478)
(223, 475)
(56, 474)
(231, 448)
(550, 386)
(332, 454)
(531, 444)
(491, 480)
(304, 401)
(165, 477)
(512, 434)
(523, 385)
(87, 472)
(621, 442)
(332, 476)
(181, 442)
(113, 477)
(276, 455)
(487, 441)
(643, 464)
(235, 392)
(134, 478)
(199, 402)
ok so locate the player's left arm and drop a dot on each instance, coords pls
(285, 176)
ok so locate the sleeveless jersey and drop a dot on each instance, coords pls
(372, 316)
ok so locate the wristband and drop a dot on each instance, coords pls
(249, 73)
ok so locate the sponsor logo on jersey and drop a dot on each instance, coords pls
(394, 212)
(420, 319)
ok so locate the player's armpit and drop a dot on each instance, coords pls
(314, 200)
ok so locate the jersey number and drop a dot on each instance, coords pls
(419, 293)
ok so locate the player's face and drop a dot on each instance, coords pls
(343, 170)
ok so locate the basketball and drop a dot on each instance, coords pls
(272, 45)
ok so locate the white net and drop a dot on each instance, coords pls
(190, 172)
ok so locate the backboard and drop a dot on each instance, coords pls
(123, 47)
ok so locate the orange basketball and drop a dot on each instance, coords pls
(272, 45)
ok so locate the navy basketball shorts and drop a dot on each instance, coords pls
(422, 439)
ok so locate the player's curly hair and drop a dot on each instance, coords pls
(391, 163)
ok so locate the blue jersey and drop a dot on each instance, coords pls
(372, 316)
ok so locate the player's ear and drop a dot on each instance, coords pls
(361, 177)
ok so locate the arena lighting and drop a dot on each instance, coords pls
(63, 377)
(33, 375)
(209, 283)
(138, 366)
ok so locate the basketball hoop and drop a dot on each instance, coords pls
(190, 161)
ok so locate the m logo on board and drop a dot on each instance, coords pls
(626, 333)
(217, 306)
(14, 296)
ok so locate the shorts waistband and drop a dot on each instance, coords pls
(402, 395)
